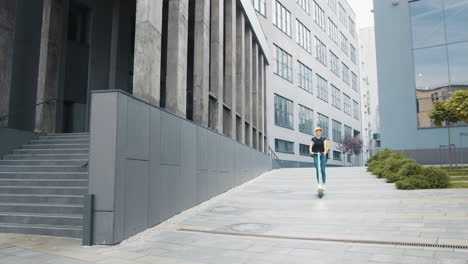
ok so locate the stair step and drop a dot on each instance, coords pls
(45, 182)
(44, 162)
(58, 141)
(51, 151)
(42, 219)
(56, 190)
(43, 175)
(41, 198)
(47, 230)
(46, 157)
(65, 136)
(41, 208)
(42, 168)
(56, 146)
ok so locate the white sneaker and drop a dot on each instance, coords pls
(324, 187)
(320, 186)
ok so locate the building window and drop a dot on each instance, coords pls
(305, 77)
(303, 36)
(332, 31)
(284, 146)
(306, 120)
(336, 97)
(348, 131)
(344, 43)
(347, 104)
(305, 4)
(336, 131)
(319, 16)
(343, 16)
(352, 27)
(332, 5)
(354, 81)
(304, 150)
(356, 110)
(283, 63)
(336, 155)
(282, 18)
(260, 6)
(345, 73)
(353, 53)
(323, 123)
(322, 88)
(334, 64)
(283, 112)
(321, 51)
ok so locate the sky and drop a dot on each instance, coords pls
(363, 8)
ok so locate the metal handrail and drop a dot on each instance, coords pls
(34, 106)
(272, 153)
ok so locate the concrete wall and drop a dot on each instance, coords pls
(11, 139)
(397, 94)
(147, 165)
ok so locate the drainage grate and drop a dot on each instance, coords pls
(354, 241)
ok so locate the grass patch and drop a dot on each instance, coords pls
(459, 178)
(459, 185)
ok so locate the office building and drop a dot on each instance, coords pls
(422, 56)
(314, 77)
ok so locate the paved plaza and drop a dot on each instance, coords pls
(276, 218)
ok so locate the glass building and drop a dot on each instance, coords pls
(440, 51)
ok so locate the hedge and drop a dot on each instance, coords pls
(406, 173)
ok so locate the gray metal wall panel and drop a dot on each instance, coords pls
(170, 146)
(138, 130)
(103, 136)
(154, 215)
(159, 172)
(136, 197)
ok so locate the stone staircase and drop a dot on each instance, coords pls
(42, 186)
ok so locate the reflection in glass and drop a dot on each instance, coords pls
(458, 58)
(431, 68)
(427, 19)
(456, 19)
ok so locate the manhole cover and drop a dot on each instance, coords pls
(250, 228)
(224, 209)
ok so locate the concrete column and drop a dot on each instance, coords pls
(201, 69)
(240, 73)
(147, 61)
(248, 83)
(260, 101)
(217, 61)
(7, 40)
(176, 68)
(255, 94)
(230, 7)
(50, 65)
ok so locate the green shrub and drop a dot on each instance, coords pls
(407, 169)
(391, 166)
(373, 162)
(430, 178)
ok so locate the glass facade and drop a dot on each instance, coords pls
(283, 63)
(305, 77)
(336, 131)
(319, 16)
(303, 36)
(283, 112)
(305, 4)
(282, 18)
(332, 31)
(306, 120)
(322, 88)
(336, 97)
(260, 6)
(334, 64)
(284, 146)
(320, 51)
(323, 123)
(347, 104)
(440, 52)
(304, 150)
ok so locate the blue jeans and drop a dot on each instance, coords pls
(323, 165)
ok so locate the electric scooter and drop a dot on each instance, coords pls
(320, 191)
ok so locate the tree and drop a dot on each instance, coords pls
(451, 111)
(352, 145)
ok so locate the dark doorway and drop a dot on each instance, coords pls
(76, 69)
